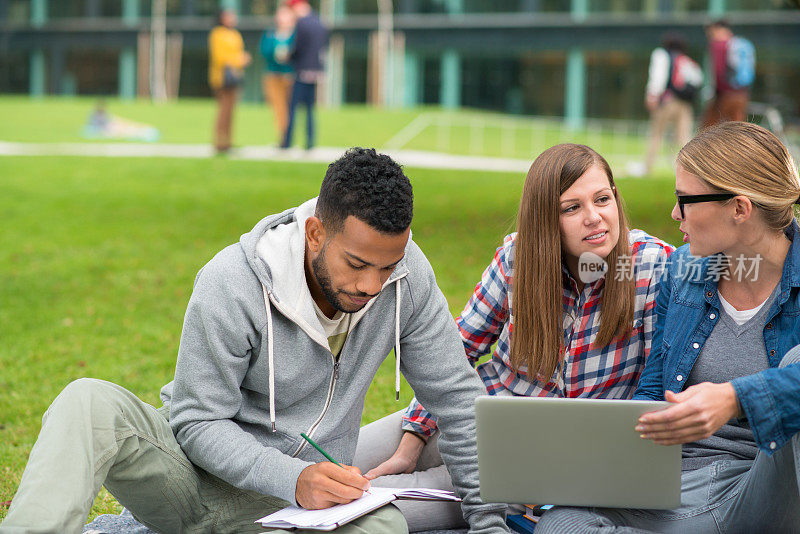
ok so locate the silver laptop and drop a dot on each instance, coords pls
(580, 452)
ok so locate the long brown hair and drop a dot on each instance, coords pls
(537, 340)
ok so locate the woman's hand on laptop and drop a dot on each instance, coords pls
(404, 460)
(698, 412)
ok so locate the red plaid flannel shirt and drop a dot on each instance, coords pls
(610, 372)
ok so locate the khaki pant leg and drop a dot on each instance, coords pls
(683, 122)
(96, 433)
(226, 100)
(678, 116)
(265, 88)
(90, 428)
(279, 88)
(285, 83)
(658, 121)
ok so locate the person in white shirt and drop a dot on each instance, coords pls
(673, 81)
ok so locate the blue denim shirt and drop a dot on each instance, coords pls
(687, 309)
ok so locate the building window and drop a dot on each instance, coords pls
(355, 79)
(14, 72)
(94, 71)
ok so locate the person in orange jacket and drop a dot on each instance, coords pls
(227, 60)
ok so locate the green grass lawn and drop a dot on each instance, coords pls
(61, 119)
(98, 256)
(464, 132)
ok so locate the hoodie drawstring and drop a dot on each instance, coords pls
(271, 359)
(271, 351)
(397, 341)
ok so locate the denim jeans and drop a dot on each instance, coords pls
(726, 497)
(306, 94)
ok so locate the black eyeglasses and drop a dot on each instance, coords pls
(694, 199)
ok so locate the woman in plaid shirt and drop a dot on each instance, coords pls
(570, 224)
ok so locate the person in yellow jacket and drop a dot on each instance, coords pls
(226, 63)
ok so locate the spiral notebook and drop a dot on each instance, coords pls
(341, 514)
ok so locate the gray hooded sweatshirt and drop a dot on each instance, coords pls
(255, 370)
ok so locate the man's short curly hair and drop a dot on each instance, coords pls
(369, 186)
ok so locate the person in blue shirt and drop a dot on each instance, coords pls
(725, 346)
(310, 42)
(276, 48)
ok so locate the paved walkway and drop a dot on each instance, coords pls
(410, 158)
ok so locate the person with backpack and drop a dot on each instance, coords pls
(673, 83)
(733, 64)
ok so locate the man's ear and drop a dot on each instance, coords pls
(315, 234)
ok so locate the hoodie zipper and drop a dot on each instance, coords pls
(331, 387)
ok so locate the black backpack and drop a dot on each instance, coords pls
(683, 88)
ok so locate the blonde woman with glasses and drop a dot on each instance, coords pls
(562, 329)
(725, 347)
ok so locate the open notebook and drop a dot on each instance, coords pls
(335, 516)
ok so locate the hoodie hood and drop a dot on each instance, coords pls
(275, 250)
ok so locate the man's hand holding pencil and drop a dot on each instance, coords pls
(330, 483)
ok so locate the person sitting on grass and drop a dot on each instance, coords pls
(555, 331)
(283, 334)
(725, 347)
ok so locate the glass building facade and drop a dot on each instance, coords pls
(572, 58)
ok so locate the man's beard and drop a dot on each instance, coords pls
(320, 269)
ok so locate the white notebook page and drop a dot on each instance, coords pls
(294, 516)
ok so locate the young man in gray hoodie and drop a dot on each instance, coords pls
(283, 334)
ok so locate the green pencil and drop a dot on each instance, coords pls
(325, 454)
